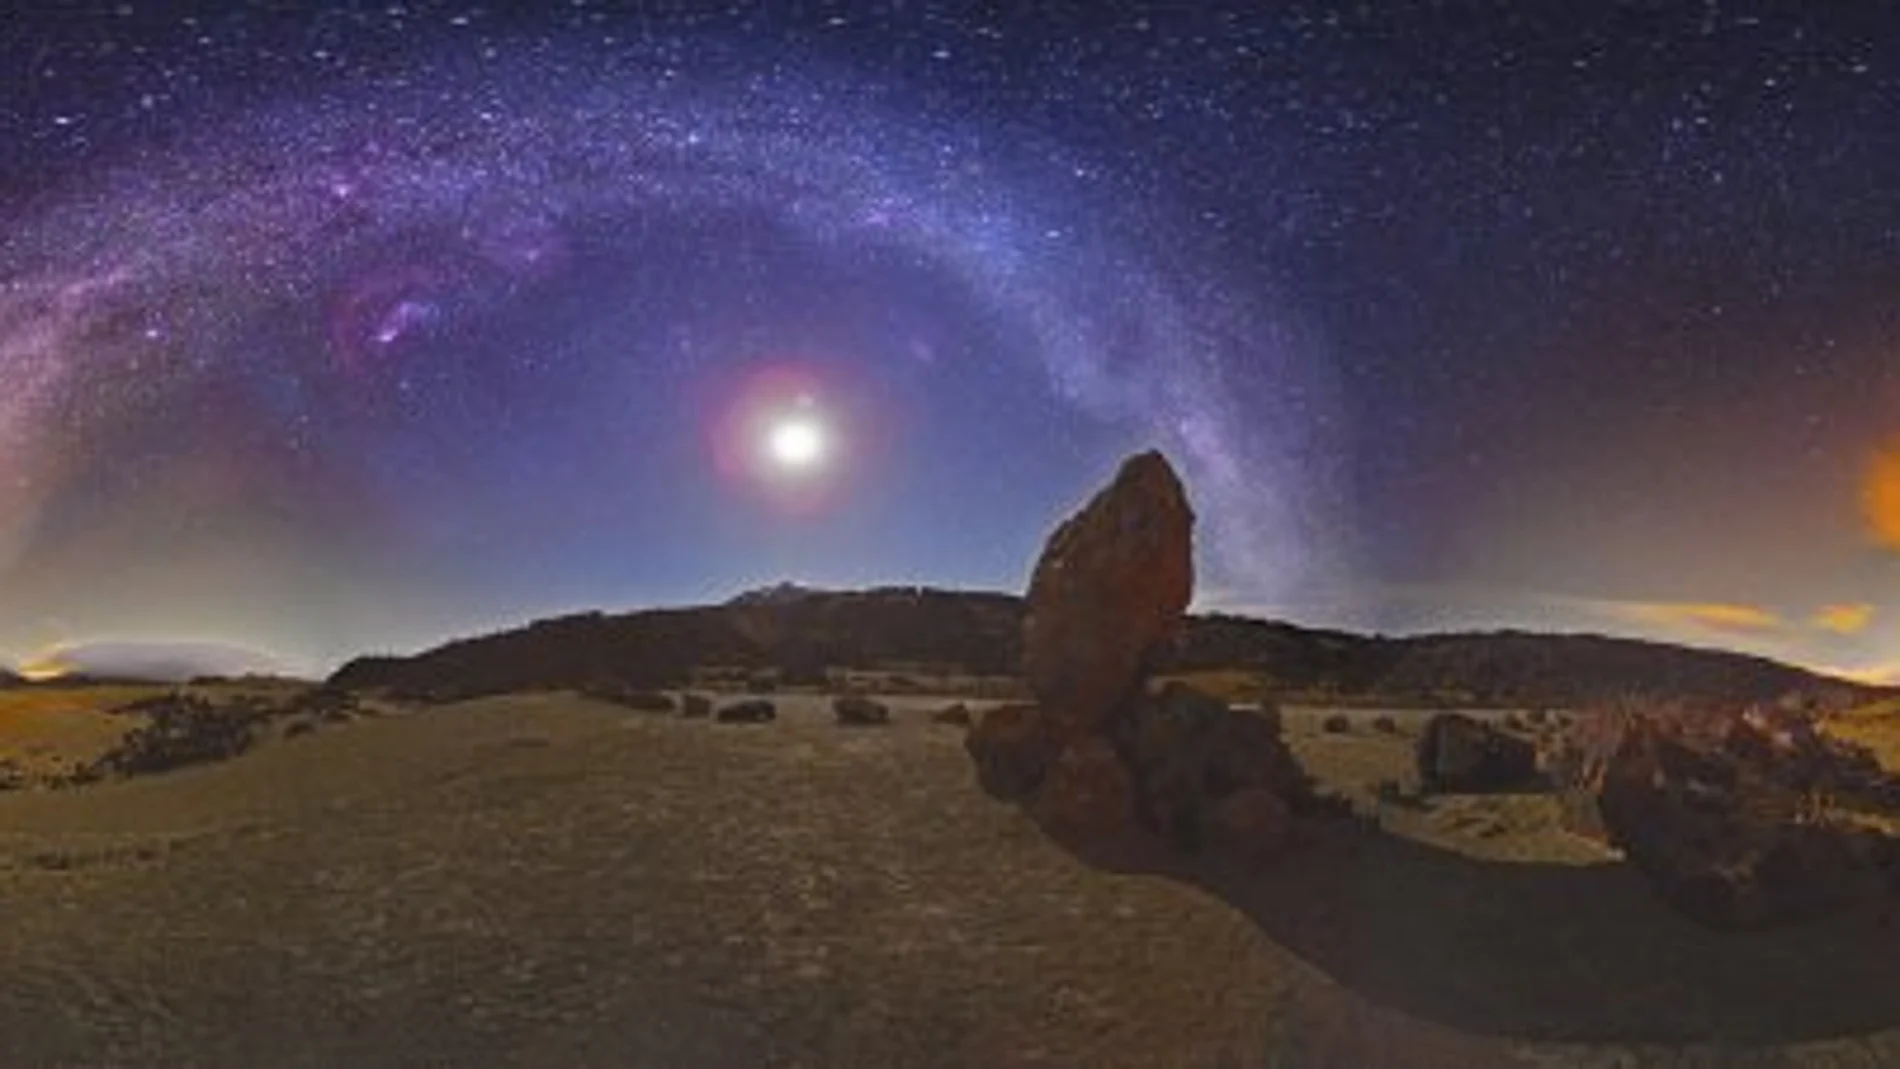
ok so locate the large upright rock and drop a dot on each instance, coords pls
(1107, 594)
(1103, 765)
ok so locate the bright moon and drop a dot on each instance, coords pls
(797, 443)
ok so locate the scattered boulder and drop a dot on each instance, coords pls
(1013, 749)
(1459, 754)
(1107, 595)
(855, 711)
(957, 715)
(751, 711)
(695, 706)
(1337, 724)
(1385, 725)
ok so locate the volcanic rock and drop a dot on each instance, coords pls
(1088, 795)
(857, 711)
(751, 711)
(957, 715)
(1249, 826)
(1189, 751)
(1107, 596)
(1461, 755)
(1013, 749)
(179, 730)
(1731, 816)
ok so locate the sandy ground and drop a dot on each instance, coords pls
(543, 880)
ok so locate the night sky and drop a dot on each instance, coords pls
(360, 327)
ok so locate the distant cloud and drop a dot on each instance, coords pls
(162, 661)
(1845, 619)
(1713, 615)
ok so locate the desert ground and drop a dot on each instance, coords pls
(550, 880)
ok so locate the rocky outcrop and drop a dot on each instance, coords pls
(1107, 596)
(1739, 819)
(178, 730)
(1458, 754)
(1100, 762)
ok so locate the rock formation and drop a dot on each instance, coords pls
(1098, 760)
(1738, 818)
(1108, 594)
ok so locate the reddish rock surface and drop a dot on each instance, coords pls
(1088, 795)
(1109, 592)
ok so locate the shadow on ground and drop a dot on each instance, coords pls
(1548, 952)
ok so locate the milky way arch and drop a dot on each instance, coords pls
(274, 271)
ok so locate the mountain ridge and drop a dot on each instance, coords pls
(979, 633)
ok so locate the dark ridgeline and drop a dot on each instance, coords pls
(801, 633)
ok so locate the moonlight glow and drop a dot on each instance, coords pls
(797, 443)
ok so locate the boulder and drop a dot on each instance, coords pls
(1458, 754)
(695, 706)
(957, 715)
(1385, 725)
(750, 711)
(1012, 749)
(1337, 724)
(1107, 595)
(856, 711)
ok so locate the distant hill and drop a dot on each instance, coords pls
(980, 633)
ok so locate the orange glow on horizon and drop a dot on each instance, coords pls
(1880, 497)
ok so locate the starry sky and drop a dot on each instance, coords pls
(355, 327)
